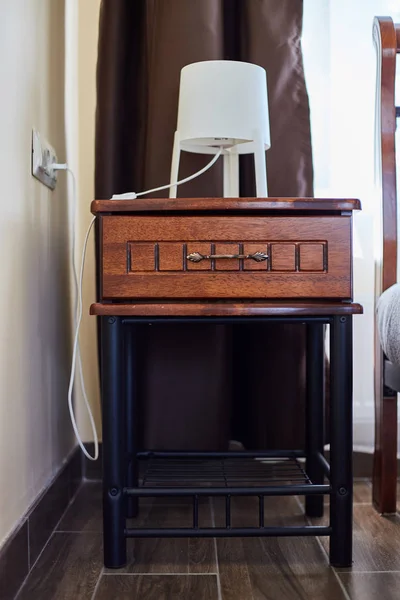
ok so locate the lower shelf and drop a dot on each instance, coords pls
(196, 477)
(225, 472)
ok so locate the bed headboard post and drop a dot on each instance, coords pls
(385, 455)
(386, 37)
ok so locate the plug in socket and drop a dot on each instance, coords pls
(43, 156)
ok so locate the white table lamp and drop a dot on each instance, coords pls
(224, 103)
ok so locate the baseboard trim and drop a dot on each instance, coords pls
(27, 541)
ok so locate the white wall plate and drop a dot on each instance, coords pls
(43, 156)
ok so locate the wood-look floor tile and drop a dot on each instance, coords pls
(362, 492)
(202, 557)
(376, 540)
(233, 569)
(284, 568)
(245, 511)
(161, 515)
(157, 555)
(68, 568)
(158, 587)
(372, 586)
(276, 568)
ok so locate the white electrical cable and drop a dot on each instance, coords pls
(76, 355)
(78, 311)
(133, 195)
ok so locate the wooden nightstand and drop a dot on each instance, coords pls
(227, 260)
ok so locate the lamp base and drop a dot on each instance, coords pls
(232, 147)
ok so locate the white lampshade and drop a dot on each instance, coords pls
(223, 103)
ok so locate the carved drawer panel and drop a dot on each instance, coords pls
(283, 257)
(226, 257)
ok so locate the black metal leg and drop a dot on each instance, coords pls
(113, 414)
(315, 414)
(341, 442)
(132, 478)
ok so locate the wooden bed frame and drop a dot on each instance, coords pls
(386, 37)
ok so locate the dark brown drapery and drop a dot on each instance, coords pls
(192, 395)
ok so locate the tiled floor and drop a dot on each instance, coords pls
(70, 567)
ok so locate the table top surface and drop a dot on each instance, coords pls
(226, 309)
(225, 205)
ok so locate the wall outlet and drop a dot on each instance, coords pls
(43, 156)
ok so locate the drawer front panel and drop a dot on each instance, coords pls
(226, 257)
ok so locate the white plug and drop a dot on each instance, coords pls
(58, 167)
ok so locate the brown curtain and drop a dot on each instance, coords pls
(192, 397)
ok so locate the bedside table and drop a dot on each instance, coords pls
(222, 260)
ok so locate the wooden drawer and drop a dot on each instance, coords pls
(146, 257)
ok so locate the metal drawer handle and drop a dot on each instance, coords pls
(197, 257)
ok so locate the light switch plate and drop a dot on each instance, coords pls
(43, 156)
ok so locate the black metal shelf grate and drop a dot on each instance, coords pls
(196, 477)
(224, 472)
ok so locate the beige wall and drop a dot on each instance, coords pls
(82, 35)
(35, 435)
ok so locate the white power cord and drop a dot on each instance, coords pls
(78, 282)
(78, 311)
(76, 357)
(133, 195)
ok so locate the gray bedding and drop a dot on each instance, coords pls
(388, 316)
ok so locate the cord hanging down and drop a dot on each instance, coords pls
(76, 353)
